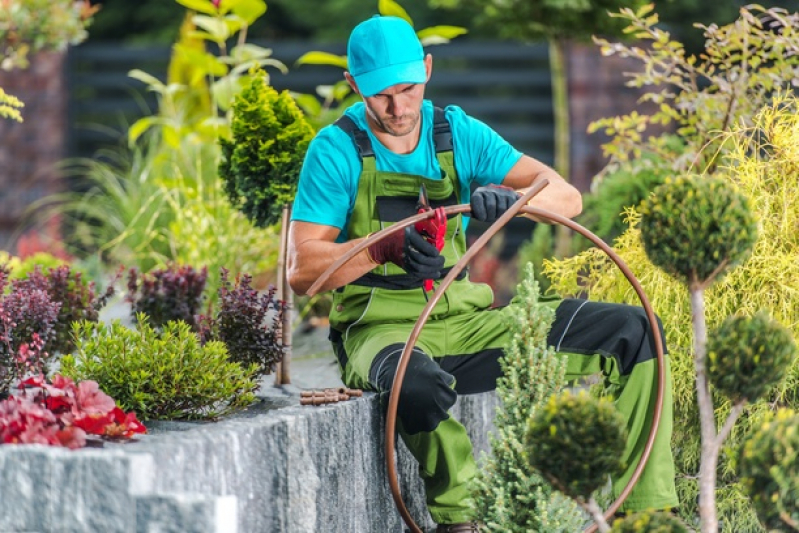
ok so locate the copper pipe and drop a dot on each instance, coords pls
(519, 206)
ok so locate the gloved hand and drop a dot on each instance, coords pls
(488, 203)
(410, 251)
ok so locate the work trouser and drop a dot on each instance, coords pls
(459, 354)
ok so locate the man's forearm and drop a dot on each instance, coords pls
(310, 259)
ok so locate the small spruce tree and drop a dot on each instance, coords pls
(508, 494)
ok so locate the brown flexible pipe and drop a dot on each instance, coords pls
(519, 206)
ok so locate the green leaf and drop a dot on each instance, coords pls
(390, 8)
(201, 6)
(249, 51)
(203, 61)
(151, 81)
(444, 32)
(249, 10)
(308, 102)
(218, 29)
(322, 58)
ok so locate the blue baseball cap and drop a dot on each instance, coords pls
(384, 51)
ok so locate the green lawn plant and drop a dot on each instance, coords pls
(166, 375)
(760, 163)
(576, 442)
(159, 200)
(509, 495)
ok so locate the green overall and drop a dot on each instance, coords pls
(459, 348)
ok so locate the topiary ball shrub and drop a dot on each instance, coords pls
(768, 466)
(261, 162)
(696, 227)
(649, 522)
(167, 375)
(749, 355)
(576, 442)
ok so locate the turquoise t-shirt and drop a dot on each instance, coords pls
(332, 168)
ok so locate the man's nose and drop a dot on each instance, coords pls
(397, 105)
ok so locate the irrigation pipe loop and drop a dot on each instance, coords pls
(519, 207)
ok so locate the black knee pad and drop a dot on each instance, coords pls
(639, 340)
(427, 392)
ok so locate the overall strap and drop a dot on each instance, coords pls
(359, 137)
(442, 132)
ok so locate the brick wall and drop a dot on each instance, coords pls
(29, 151)
(596, 90)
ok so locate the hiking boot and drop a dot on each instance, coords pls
(465, 527)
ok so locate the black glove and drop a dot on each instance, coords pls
(410, 251)
(488, 203)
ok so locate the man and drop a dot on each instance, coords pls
(364, 173)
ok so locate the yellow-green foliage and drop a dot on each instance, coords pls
(763, 162)
(768, 468)
(9, 106)
(649, 522)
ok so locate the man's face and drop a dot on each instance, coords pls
(396, 109)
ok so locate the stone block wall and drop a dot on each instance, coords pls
(296, 469)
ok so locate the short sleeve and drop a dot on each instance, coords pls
(328, 180)
(481, 154)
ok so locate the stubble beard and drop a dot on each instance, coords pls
(386, 123)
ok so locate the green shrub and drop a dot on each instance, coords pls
(160, 376)
(697, 227)
(748, 356)
(576, 442)
(769, 470)
(649, 522)
(261, 161)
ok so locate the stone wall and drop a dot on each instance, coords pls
(294, 469)
(29, 151)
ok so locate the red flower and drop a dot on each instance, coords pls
(123, 425)
(93, 424)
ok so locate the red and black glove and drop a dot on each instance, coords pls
(489, 203)
(410, 251)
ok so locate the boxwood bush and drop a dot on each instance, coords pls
(160, 375)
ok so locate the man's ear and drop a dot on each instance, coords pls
(428, 65)
(351, 82)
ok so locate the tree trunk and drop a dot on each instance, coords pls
(707, 418)
(284, 293)
(560, 110)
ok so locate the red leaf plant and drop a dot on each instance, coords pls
(59, 412)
